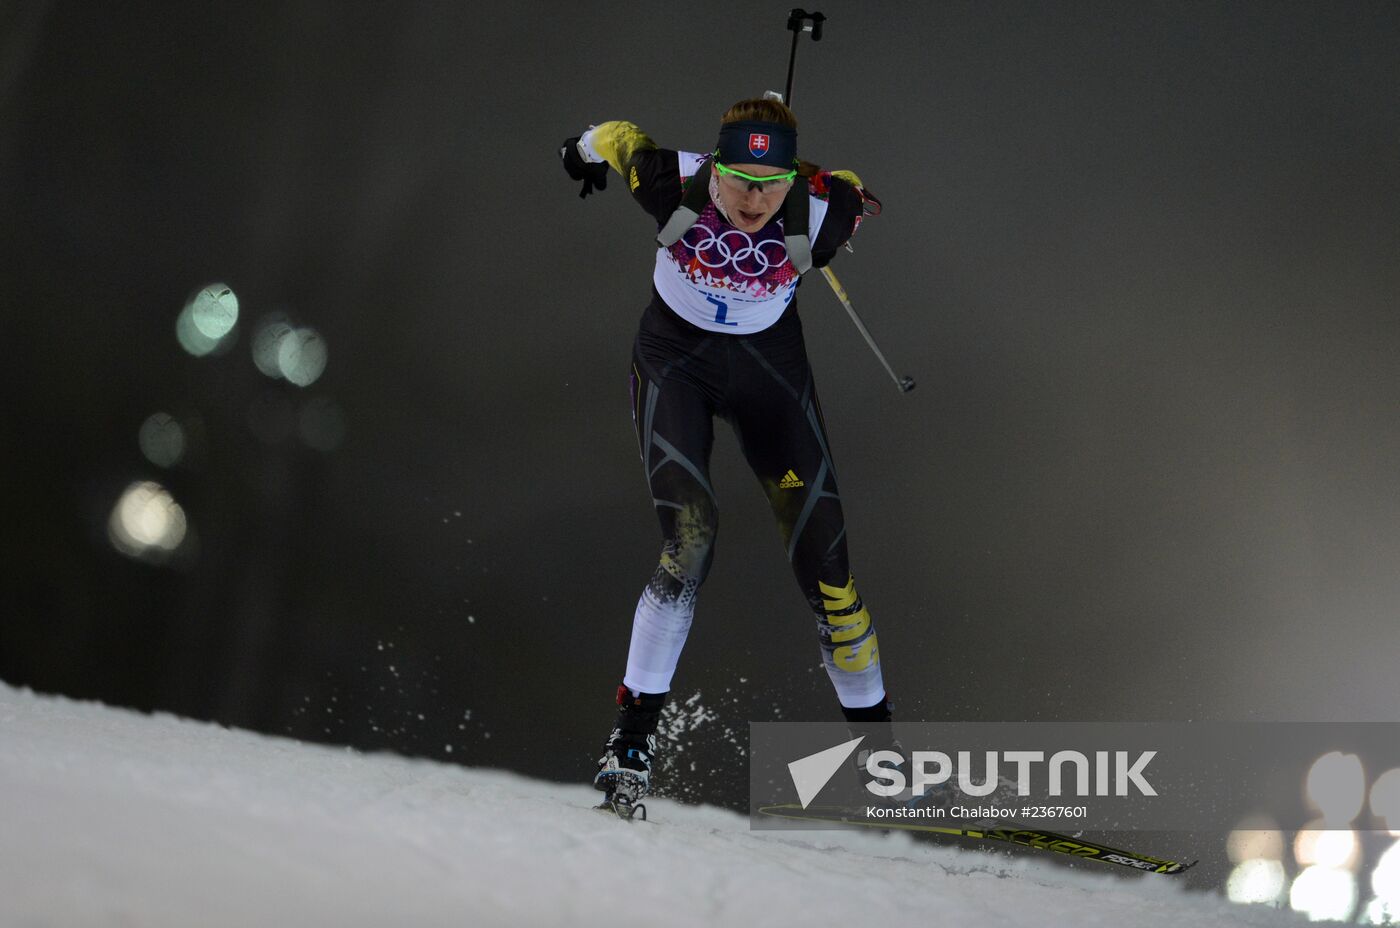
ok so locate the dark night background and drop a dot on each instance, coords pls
(1143, 259)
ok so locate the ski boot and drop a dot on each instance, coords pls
(873, 723)
(624, 770)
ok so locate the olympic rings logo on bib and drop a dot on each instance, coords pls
(732, 249)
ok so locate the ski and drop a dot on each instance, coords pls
(1007, 832)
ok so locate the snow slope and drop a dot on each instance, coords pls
(109, 817)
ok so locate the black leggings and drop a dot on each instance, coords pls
(762, 385)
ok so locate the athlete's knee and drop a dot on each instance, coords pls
(690, 536)
(687, 552)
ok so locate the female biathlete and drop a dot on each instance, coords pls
(721, 337)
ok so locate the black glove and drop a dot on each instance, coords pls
(594, 176)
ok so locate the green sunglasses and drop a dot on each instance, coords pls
(772, 181)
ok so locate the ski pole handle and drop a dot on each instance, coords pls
(797, 24)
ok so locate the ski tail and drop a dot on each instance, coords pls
(1006, 832)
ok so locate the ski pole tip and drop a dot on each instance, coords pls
(907, 384)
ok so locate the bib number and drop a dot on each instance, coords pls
(721, 309)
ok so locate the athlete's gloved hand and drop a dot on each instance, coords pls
(594, 176)
(870, 203)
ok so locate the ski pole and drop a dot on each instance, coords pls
(905, 384)
(798, 24)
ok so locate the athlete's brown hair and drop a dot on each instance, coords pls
(765, 110)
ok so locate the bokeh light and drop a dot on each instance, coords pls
(1324, 894)
(206, 325)
(1338, 849)
(162, 440)
(285, 351)
(1385, 879)
(1255, 838)
(191, 339)
(1336, 785)
(301, 356)
(267, 342)
(1380, 912)
(1256, 881)
(1385, 799)
(214, 311)
(146, 522)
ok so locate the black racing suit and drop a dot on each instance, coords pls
(692, 362)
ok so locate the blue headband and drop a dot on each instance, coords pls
(755, 142)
